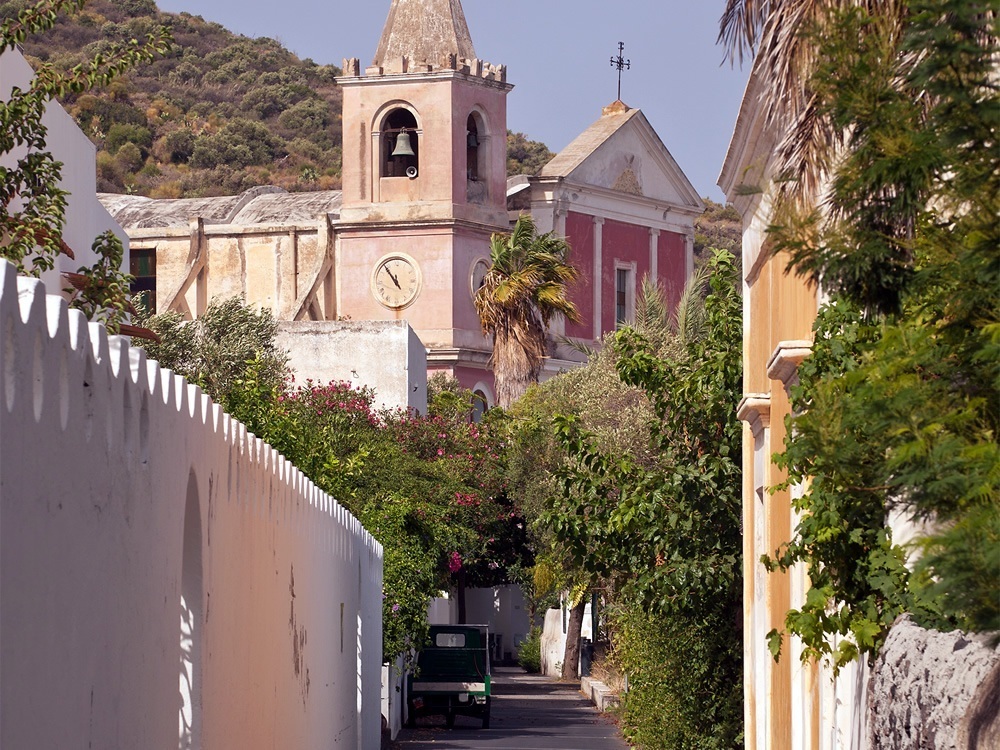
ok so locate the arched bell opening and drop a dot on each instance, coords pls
(400, 144)
(476, 164)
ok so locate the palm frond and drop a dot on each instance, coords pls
(740, 27)
(652, 313)
(528, 282)
(690, 323)
(782, 35)
(577, 345)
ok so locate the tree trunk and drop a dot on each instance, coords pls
(571, 659)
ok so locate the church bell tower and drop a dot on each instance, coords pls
(424, 181)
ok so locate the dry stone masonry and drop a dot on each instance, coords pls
(935, 691)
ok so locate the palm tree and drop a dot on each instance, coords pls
(526, 285)
(781, 35)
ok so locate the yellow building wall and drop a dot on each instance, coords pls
(779, 307)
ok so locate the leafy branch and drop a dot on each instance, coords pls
(32, 206)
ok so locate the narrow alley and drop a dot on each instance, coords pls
(529, 712)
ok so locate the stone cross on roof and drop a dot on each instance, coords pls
(425, 31)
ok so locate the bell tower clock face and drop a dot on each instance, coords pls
(396, 281)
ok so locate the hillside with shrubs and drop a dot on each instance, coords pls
(219, 114)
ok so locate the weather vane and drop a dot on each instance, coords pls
(622, 64)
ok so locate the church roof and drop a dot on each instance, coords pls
(585, 144)
(622, 152)
(262, 205)
(425, 31)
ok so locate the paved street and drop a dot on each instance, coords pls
(528, 713)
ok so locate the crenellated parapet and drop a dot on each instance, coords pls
(473, 67)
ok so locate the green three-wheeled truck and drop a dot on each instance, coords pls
(453, 675)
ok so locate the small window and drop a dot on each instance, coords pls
(142, 267)
(621, 297)
(450, 640)
(400, 144)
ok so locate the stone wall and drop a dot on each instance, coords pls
(166, 578)
(934, 691)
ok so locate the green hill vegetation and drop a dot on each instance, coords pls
(720, 226)
(219, 114)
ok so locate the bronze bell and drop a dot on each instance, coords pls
(403, 147)
(472, 140)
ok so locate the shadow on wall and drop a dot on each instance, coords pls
(189, 715)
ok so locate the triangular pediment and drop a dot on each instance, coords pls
(621, 152)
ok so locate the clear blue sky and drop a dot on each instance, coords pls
(557, 56)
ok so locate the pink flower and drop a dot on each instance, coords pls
(454, 562)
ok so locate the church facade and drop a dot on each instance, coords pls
(424, 189)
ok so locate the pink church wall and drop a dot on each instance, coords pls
(672, 265)
(580, 235)
(469, 247)
(627, 243)
(470, 377)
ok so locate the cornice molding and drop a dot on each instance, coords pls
(784, 362)
(755, 410)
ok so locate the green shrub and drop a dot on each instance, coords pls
(685, 682)
(120, 134)
(529, 653)
(306, 115)
(129, 157)
(176, 147)
(241, 143)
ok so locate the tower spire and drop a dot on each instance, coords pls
(425, 32)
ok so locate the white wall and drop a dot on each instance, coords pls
(502, 608)
(85, 216)
(122, 489)
(554, 637)
(384, 355)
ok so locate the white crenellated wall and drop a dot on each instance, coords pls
(128, 500)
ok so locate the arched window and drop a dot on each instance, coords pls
(479, 406)
(482, 401)
(472, 148)
(476, 166)
(400, 144)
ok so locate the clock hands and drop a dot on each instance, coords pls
(393, 277)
